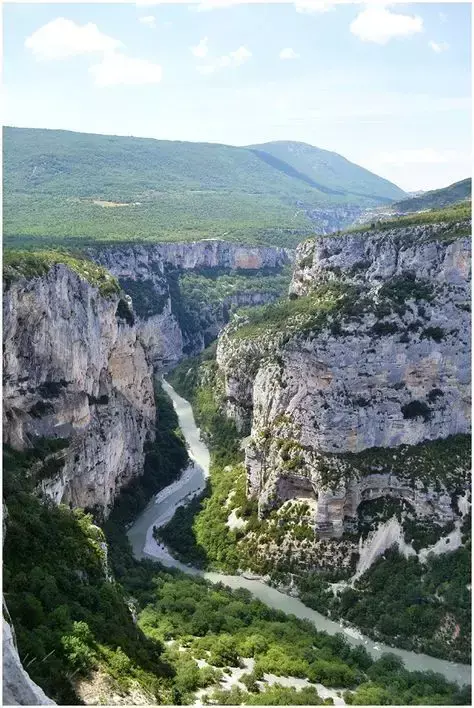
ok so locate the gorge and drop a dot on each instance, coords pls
(307, 498)
(162, 508)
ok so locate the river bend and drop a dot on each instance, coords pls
(192, 482)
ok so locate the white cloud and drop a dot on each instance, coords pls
(442, 17)
(240, 56)
(61, 38)
(201, 50)
(288, 53)
(116, 69)
(438, 47)
(236, 58)
(313, 6)
(425, 156)
(207, 68)
(149, 21)
(380, 25)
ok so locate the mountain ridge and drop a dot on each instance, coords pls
(327, 158)
(437, 198)
(63, 185)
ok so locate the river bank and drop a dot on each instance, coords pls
(161, 509)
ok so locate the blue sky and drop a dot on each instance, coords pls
(387, 86)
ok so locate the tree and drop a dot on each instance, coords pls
(370, 695)
(224, 652)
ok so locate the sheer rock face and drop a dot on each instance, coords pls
(75, 368)
(154, 269)
(208, 253)
(18, 688)
(318, 401)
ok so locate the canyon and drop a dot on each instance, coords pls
(354, 387)
(78, 366)
(154, 271)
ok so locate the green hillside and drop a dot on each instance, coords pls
(436, 199)
(78, 188)
(327, 171)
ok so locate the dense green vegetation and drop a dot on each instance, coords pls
(146, 301)
(198, 532)
(449, 216)
(77, 189)
(328, 306)
(325, 170)
(45, 221)
(425, 606)
(72, 622)
(221, 627)
(303, 314)
(203, 301)
(115, 167)
(33, 264)
(433, 462)
(437, 198)
(68, 619)
(428, 602)
(212, 288)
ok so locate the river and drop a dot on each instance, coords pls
(161, 509)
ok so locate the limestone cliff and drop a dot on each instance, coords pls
(150, 275)
(359, 385)
(76, 370)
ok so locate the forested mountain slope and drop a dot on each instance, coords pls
(437, 198)
(65, 186)
(325, 170)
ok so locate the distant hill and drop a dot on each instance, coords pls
(457, 215)
(436, 199)
(327, 171)
(81, 188)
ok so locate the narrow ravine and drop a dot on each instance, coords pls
(161, 509)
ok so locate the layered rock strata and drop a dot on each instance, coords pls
(362, 383)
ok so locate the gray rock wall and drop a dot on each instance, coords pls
(18, 688)
(388, 373)
(74, 368)
(149, 265)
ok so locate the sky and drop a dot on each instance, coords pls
(386, 85)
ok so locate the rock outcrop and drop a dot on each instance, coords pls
(18, 688)
(75, 369)
(150, 275)
(359, 386)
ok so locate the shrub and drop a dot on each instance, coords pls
(416, 409)
(436, 333)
